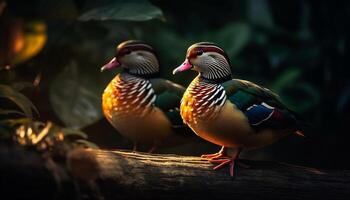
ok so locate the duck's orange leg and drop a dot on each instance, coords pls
(224, 161)
(221, 154)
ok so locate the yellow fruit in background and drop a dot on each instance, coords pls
(33, 42)
(20, 40)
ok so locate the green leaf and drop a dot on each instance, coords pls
(87, 144)
(7, 112)
(233, 37)
(130, 10)
(75, 97)
(286, 78)
(19, 86)
(293, 91)
(19, 99)
(258, 13)
(301, 97)
(277, 54)
(37, 126)
(73, 132)
(15, 122)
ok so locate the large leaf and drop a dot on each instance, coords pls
(298, 95)
(7, 112)
(19, 99)
(87, 144)
(258, 13)
(277, 54)
(285, 79)
(233, 37)
(131, 10)
(301, 97)
(75, 98)
(15, 122)
(73, 132)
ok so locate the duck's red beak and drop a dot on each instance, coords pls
(110, 65)
(186, 65)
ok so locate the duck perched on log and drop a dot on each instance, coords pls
(235, 114)
(139, 104)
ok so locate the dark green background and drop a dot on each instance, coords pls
(297, 48)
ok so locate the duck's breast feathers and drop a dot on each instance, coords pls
(129, 95)
(202, 101)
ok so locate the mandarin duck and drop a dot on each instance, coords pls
(235, 114)
(139, 104)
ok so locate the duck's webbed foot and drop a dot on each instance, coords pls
(232, 161)
(219, 155)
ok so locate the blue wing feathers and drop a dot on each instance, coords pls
(263, 116)
(262, 107)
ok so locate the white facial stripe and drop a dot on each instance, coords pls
(212, 65)
(141, 63)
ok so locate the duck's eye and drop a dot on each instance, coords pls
(200, 52)
(126, 52)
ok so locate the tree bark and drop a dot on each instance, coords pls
(128, 175)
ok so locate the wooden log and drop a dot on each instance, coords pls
(128, 175)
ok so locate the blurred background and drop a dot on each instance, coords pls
(52, 51)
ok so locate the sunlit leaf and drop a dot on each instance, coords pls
(75, 98)
(15, 122)
(131, 10)
(37, 125)
(19, 99)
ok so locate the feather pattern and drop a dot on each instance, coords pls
(202, 100)
(128, 94)
(262, 107)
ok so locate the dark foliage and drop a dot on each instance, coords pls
(298, 48)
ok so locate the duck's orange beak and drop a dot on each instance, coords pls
(110, 65)
(186, 65)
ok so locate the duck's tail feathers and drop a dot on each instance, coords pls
(302, 127)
